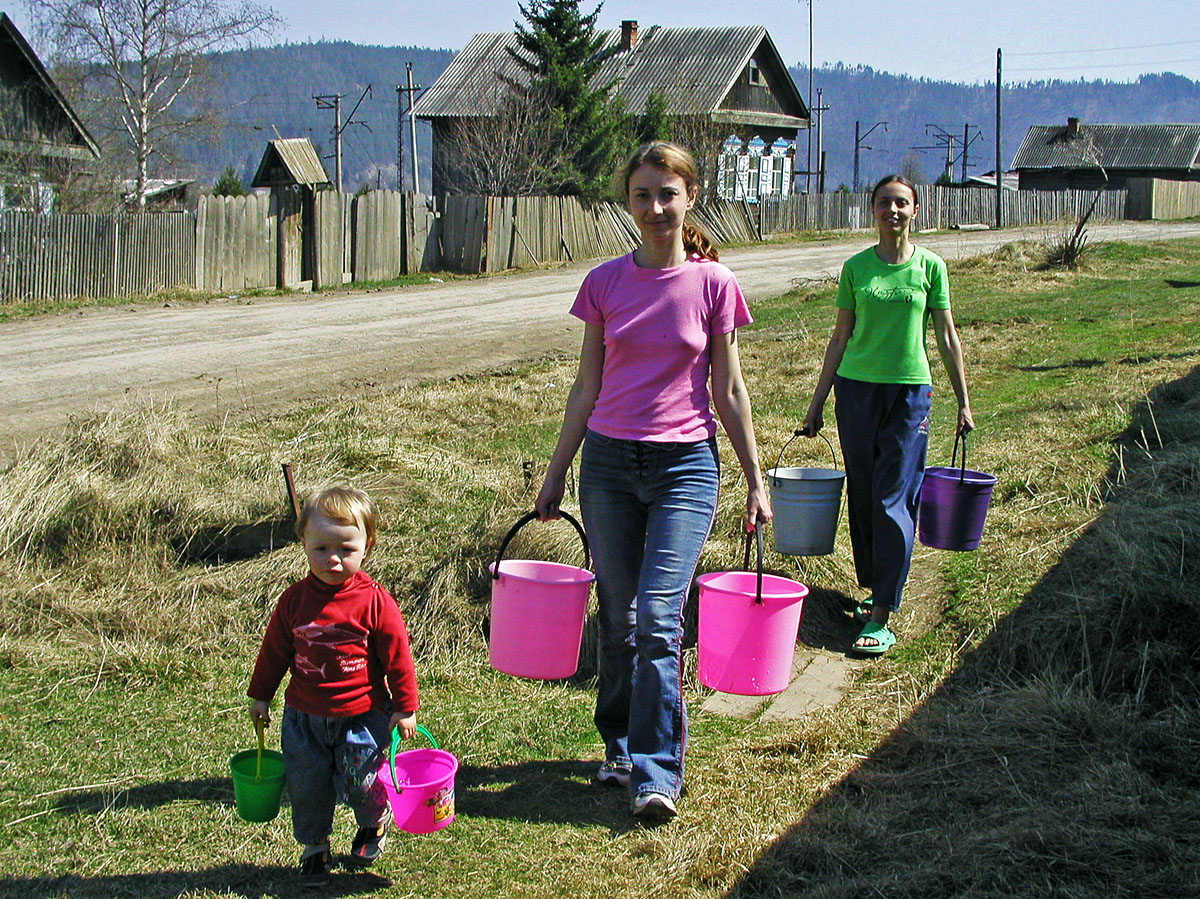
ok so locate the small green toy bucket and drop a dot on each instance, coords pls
(257, 781)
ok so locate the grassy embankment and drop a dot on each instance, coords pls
(1039, 740)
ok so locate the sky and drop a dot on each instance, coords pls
(1114, 40)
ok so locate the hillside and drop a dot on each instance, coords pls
(269, 90)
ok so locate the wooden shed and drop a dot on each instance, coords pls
(292, 171)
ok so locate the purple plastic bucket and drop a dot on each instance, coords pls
(953, 505)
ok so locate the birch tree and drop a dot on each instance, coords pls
(146, 59)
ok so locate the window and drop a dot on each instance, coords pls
(754, 73)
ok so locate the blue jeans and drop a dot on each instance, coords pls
(648, 508)
(883, 430)
(329, 759)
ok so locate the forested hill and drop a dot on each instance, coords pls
(270, 90)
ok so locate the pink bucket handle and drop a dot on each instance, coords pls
(757, 532)
(800, 432)
(533, 516)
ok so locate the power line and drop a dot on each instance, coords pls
(1104, 49)
(1112, 65)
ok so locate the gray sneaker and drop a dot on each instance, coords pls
(654, 807)
(614, 774)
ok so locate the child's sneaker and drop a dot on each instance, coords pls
(614, 774)
(368, 845)
(654, 807)
(314, 865)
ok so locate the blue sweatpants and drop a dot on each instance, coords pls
(883, 430)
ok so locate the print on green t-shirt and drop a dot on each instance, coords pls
(891, 305)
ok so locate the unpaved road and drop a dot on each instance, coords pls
(233, 355)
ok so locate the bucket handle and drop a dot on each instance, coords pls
(962, 472)
(396, 743)
(757, 532)
(259, 728)
(799, 432)
(525, 519)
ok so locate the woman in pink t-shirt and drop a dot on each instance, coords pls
(659, 324)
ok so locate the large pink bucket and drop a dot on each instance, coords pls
(954, 504)
(538, 611)
(748, 626)
(420, 786)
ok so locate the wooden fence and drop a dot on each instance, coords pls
(1154, 198)
(45, 256)
(292, 239)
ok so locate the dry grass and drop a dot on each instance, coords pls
(1036, 737)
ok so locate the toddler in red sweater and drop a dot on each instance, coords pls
(341, 637)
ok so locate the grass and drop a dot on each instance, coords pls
(1036, 737)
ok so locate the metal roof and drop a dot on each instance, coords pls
(1116, 147)
(298, 161)
(692, 68)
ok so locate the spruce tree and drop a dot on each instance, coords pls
(562, 52)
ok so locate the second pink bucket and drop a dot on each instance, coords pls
(538, 611)
(748, 627)
(420, 786)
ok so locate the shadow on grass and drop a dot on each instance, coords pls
(1059, 758)
(244, 880)
(149, 796)
(560, 792)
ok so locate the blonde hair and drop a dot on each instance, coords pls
(343, 504)
(675, 159)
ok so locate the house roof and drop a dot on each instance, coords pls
(290, 160)
(82, 145)
(692, 68)
(1116, 147)
(155, 187)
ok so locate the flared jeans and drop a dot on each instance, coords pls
(648, 508)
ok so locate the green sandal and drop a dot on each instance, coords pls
(884, 639)
(862, 611)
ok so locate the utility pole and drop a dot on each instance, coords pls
(411, 90)
(818, 109)
(858, 141)
(808, 165)
(999, 172)
(334, 102)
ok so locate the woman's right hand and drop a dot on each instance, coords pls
(813, 422)
(550, 497)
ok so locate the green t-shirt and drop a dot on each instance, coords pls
(891, 305)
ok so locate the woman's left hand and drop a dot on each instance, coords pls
(758, 508)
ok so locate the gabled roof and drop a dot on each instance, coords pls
(290, 160)
(1116, 147)
(692, 68)
(14, 46)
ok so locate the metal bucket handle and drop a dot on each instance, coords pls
(800, 432)
(533, 516)
(757, 532)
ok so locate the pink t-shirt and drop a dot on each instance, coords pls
(657, 328)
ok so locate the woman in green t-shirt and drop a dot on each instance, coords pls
(877, 365)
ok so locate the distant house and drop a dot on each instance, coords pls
(43, 143)
(1056, 157)
(162, 194)
(731, 77)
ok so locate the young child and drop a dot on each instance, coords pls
(342, 638)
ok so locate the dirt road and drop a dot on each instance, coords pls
(233, 354)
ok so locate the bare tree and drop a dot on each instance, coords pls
(146, 57)
(1067, 249)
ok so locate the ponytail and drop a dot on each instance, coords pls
(696, 241)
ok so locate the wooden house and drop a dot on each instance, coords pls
(732, 78)
(43, 143)
(1057, 157)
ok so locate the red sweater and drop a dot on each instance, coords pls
(346, 647)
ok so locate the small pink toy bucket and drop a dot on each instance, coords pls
(954, 504)
(538, 611)
(748, 626)
(420, 785)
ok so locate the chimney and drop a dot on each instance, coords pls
(628, 34)
(1072, 126)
